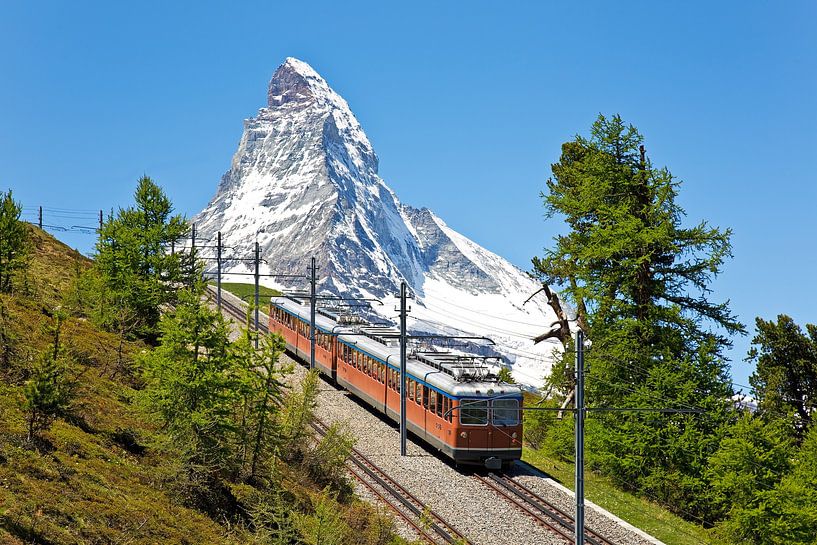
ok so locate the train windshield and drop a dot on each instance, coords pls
(505, 412)
(473, 412)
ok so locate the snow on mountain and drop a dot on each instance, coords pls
(304, 183)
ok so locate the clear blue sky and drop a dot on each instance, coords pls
(466, 104)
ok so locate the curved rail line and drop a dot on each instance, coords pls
(541, 510)
(425, 521)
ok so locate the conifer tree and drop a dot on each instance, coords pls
(259, 375)
(48, 391)
(190, 385)
(785, 377)
(133, 260)
(640, 281)
(13, 241)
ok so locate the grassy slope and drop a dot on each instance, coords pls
(95, 478)
(246, 291)
(640, 512)
(82, 484)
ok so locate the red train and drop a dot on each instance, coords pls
(454, 403)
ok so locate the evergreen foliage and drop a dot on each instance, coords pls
(193, 386)
(297, 412)
(13, 241)
(262, 391)
(639, 280)
(48, 392)
(751, 458)
(785, 379)
(135, 268)
(783, 514)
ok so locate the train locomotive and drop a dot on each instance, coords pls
(453, 402)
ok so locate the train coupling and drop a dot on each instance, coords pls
(493, 463)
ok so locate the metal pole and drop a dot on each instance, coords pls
(193, 256)
(312, 304)
(580, 413)
(100, 220)
(218, 271)
(403, 369)
(40, 221)
(257, 277)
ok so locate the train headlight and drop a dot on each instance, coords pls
(463, 434)
(513, 435)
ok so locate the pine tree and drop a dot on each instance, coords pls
(640, 281)
(13, 241)
(325, 526)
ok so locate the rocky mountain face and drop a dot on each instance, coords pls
(304, 183)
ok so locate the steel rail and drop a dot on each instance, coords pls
(540, 509)
(521, 504)
(444, 531)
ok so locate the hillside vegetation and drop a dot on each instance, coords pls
(86, 455)
(91, 477)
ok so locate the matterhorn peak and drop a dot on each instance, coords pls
(304, 183)
(297, 82)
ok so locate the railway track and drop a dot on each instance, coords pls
(425, 521)
(541, 510)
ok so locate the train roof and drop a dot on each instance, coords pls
(457, 374)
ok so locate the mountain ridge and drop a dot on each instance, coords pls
(304, 181)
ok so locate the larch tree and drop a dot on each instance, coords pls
(785, 377)
(639, 279)
(133, 259)
(13, 240)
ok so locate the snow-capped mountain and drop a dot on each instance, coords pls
(304, 183)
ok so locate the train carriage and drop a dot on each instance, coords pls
(453, 402)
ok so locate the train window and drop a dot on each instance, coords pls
(446, 407)
(505, 412)
(473, 412)
(411, 390)
(425, 396)
(440, 399)
(432, 401)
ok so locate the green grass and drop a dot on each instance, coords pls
(641, 513)
(246, 291)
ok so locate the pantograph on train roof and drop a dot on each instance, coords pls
(463, 367)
